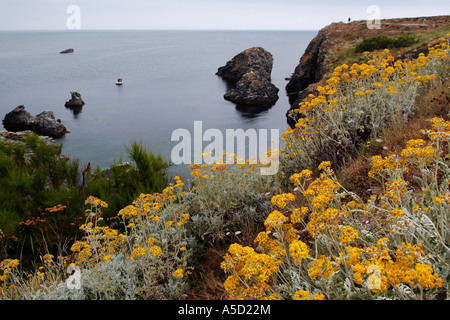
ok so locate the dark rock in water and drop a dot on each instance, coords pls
(67, 51)
(43, 124)
(255, 58)
(75, 101)
(249, 74)
(252, 89)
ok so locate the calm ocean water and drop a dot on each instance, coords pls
(170, 82)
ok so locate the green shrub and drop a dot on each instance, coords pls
(35, 176)
(385, 42)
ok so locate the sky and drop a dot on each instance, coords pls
(203, 14)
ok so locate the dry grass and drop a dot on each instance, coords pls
(206, 282)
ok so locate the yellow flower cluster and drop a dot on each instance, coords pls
(348, 234)
(370, 256)
(359, 98)
(281, 199)
(269, 246)
(382, 270)
(250, 273)
(178, 273)
(275, 220)
(96, 202)
(155, 251)
(6, 266)
(137, 253)
(305, 295)
(321, 267)
(298, 250)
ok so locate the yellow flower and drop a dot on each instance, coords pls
(321, 267)
(377, 85)
(275, 220)
(155, 251)
(151, 240)
(280, 200)
(324, 165)
(348, 234)
(106, 258)
(178, 273)
(298, 250)
(297, 213)
(301, 295)
(96, 202)
(137, 253)
(318, 296)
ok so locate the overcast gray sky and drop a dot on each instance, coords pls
(205, 14)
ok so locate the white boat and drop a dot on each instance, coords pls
(119, 82)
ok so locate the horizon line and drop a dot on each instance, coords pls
(152, 29)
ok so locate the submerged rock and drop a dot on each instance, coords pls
(249, 75)
(43, 124)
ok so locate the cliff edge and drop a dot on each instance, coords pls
(335, 44)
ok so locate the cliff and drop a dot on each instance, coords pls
(335, 44)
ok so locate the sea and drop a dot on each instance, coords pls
(169, 83)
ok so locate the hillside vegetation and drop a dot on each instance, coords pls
(358, 210)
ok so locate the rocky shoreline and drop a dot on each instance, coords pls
(44, 124)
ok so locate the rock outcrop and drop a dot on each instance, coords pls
(67, 51)
(75, 101)
(252, 89)
(43, 124)
(19, 137)
(249, 75)
(311, 68)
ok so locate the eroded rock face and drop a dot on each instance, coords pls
(255, 58)
(310, 69)
(43, 124)
(249, 74)
(253, 89)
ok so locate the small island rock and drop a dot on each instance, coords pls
(67, 51)
(249, 74)
(43, 124)
(75, 101)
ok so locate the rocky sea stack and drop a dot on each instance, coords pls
(43, 124)
(75, 101)
(249, 75)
